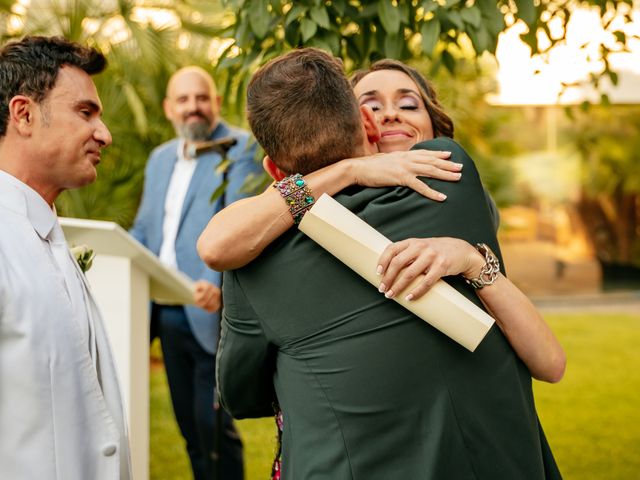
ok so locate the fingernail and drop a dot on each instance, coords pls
(409, 297)
(389, 294)
(459, 165)
(382, 288)
(442, 196)
(448, 154)
(379, 269)
(458, 175)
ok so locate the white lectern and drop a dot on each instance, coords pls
(124, 277)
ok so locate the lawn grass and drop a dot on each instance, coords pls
(168, 458)
(591, 418)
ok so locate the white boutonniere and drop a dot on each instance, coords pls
(84, 256)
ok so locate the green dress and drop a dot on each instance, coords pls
(368, 390)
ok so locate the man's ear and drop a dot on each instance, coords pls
(21, 113)
(271, 168)
(369, 124)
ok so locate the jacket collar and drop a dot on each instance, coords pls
(220, 131)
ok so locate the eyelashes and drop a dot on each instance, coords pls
(374, 104)
(377, 106)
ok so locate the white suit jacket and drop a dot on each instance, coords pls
(61, 413)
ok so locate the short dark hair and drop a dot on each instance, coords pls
(303, 112)
(442, 123)
(30, 67)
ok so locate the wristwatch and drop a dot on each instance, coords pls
(489, 271)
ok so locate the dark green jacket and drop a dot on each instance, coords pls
(368, 390)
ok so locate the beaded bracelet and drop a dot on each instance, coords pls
(296, 194)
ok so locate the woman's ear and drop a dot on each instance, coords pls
(371, 128)
(271, 168)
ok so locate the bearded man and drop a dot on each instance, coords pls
(180, 178)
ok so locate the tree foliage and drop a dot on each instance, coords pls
(486, 132)
(141, 55)
(361, 31)
(444, 35)
(607, 137)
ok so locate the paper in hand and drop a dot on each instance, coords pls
(359, 246)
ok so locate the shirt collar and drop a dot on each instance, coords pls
(180, 149)
(37, 210)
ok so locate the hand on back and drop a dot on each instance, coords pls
(403, 168)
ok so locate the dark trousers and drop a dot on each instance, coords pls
(191, 375)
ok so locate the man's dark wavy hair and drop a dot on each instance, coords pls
(303, 112)
(30, 67)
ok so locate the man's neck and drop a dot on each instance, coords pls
(367, 148)
(23, 176)
(17, 165)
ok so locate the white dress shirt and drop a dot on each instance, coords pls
(176, 193)
(45, 222)
(61, 412)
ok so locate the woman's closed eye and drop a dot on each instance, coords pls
(374, 104)
(408, 103)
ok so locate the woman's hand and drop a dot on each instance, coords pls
(529, 335)
(402, 262)
(403, 168)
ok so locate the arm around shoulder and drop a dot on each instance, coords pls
(238, 233)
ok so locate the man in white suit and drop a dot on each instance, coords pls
(61, 413)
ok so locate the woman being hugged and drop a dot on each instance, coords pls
(407, 111)
(241, 231)
(347, 366)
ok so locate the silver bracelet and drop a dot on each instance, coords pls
(489, 271)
